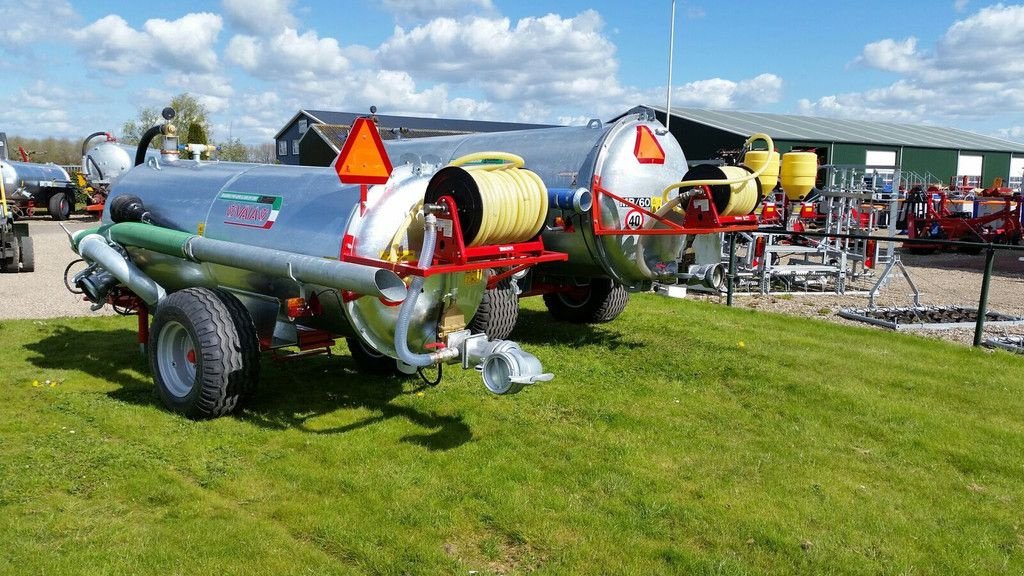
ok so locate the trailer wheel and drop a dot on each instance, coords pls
(369, 360)
(28, 254)
(601, 302)
(61, 206)
(9, 264)
(203, 356)
(497, 313)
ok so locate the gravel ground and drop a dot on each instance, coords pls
(41, 294)
(942, 278)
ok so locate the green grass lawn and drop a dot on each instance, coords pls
(683, 438)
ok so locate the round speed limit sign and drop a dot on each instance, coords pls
(635, 219)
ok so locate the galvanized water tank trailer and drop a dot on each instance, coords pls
(43, 185)
(576, 158)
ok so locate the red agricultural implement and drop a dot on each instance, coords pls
(928, 215)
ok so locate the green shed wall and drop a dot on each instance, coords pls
(940, 163)
(994, 165)
(700, 142)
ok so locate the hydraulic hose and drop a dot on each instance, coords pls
(140, 152)
(724, 181)
(85, 143)
(409, 305)
(514, 200)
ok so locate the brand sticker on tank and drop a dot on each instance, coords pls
(251, 210)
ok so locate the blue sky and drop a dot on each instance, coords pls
(71, 67)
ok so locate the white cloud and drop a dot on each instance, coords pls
(24, 22)
(187, 44)
(960, 5)
(426, 9)
(1012, 133)
(287, 55)
(551, 58)
(718, 93)
(892, 55)
(974, 72)
(261, 17)
(212, 90)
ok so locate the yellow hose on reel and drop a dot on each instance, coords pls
(513, 200)
(744, 197)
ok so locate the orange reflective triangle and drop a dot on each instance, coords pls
(363, 159)
(648, 150)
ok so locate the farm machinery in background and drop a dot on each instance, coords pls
(31, 186)
(17, 253)
(857, 200)
(994, 216)
(415, 265)
(103, 162)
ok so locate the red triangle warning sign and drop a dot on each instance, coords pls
(647, 149)
(363, 159)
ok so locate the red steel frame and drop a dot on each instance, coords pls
(701, 217)
(957, 228)
(453, 255)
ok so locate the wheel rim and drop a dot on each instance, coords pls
(176, 359)
(571, 301)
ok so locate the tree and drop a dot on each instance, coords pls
(188, 110)
(195, 135)
(265, 153)
(233, 151)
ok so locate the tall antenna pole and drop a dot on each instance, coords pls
(671, 51)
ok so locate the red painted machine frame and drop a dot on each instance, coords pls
(452, 254)
(954, 227)
(701, 217)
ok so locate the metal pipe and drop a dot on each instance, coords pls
(94, 248)
(346, 276)
(731, 277)
(300, 267)
(671, 53)
(979, 327)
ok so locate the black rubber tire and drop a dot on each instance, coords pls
(28, 254)
(971, 250)
(369, 360)
(10, 266)
(226, 351)
(604, 301)
(61, 205)
(498, 312)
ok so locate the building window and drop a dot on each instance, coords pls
(303, 125)
(282, 147)
(295, 147)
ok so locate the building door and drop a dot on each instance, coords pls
(1016, 174)
(968, 171)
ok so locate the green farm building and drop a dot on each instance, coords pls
(932, 153)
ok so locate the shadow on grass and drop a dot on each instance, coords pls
(289, 395)
(292, 394)
(110, 355)
(540, 328)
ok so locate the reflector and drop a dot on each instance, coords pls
(647, 149)
(363, 159)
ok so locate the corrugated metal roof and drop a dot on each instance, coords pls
(815, 129)
(335, 134)
(418, 123)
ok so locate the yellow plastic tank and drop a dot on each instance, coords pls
(754, 159)
(799, 170)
